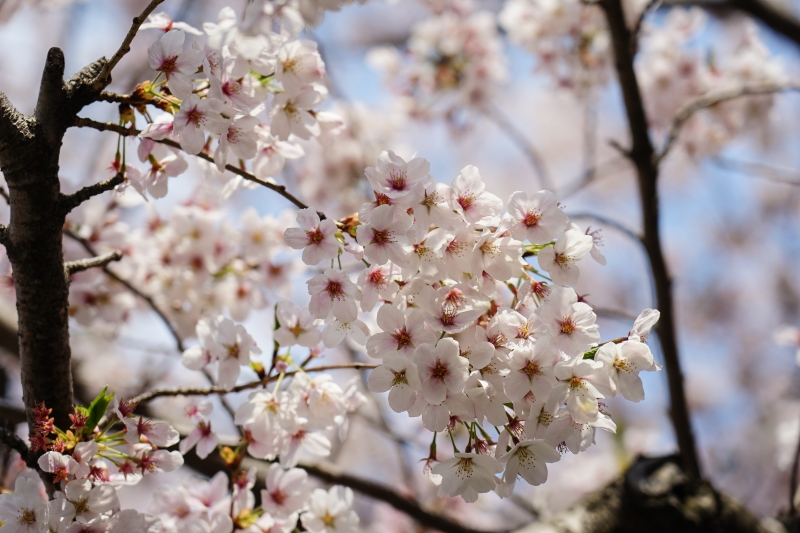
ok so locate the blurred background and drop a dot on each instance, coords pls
(729, 193)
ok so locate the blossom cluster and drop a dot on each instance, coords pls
(217, 85)
(89, 462)
(455, 59)
(673, 73)
(471, 334)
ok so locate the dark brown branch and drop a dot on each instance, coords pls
(709, 100)
(13, 127)
(644, 159)
(132, 132)
(208, 391)
(71, 201)
(80, 265)
(103, 78)
(12, 440)
(147, 299)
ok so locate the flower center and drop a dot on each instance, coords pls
(531, 218)
(402, 338)
(532, 370)
(567, 325)
(315, 236)
(168, 65)
(465, 201)
(397, 180)
(381, 237)
(439, 370)
(399, 378)
(334, 290)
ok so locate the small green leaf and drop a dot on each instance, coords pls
(98, 408)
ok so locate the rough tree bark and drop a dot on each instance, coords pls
(29, 159)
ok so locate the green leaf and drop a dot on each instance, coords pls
(98, 408)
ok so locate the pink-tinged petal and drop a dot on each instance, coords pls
(206, 445)
(308, 219)
(381, 379)
(192, 139)
(172, 42)
(320, 305)
(401, 398)
(180, 85)
(296, 238)
(390, 319)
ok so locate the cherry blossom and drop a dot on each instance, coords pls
(624, 361)
(398, 375)
(467, 475)
(314, 236)
(197, 117)
(333, 292)
(441, 369)
(559, 260)
(168, 56)
(529, 459)
(537, 218)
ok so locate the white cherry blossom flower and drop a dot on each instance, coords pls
(201, 436)
(299, 64)
(400, 335)
(529, 459)
(163, 21)
(333, 292)
(286, 491)
(623, 362)
(167, 55)
(196, 117)
(471, 199)
(531, 371)
(26, 510)
(571, 323)
(290, 113)
(467, 475)
(296, 326)
(330, 511)
(87, 502)
(335, 332)
(559, 260)
(317, 238)
(394, 177)
(240, 139)
(398, 375)
(537, 218)
(385, 236)
(158, 434)
(581, 383)
(441, 369)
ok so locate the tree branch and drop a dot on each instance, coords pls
(147, 299)
(708, 100)
(80, 265)
(71, 201)
(779, 20)
(13, 125)
(132, 132)
(643, 157)
(531, 153)
(331, 474)
(103, 78)
(12, 440)
(208, 391)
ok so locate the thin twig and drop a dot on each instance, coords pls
(208, 391)
(147, 299)
(80, 265)
(531, 153)
(712, 99)
(125, 47)
(132, 132)
(759, 170)
(4, 194)
(71, 201)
